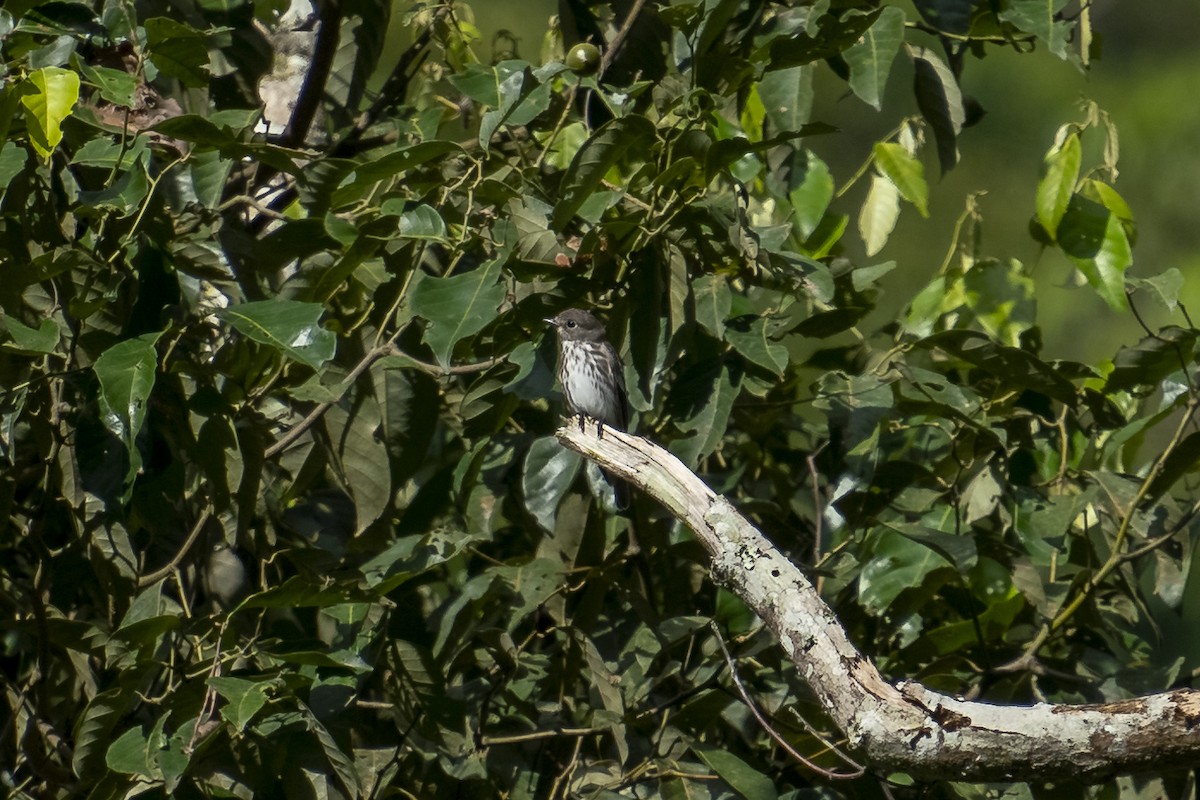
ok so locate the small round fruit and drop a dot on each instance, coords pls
(584, 59)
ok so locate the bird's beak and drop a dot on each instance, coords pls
(549, 321)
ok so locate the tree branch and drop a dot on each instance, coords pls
(312, 91)
(904, 726)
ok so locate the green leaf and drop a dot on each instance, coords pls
(549, 471)
(958, 550)
(411, 402)
(114, 85)
(129, 754)
(1038, 18)
(224, 131)
(363, 458)
(896, 563)
(301, 592)
(753, 341)
(532, 583)
(536, 243)
(1152, 359)
(713, 300)
(422, 222)
(1166, 286)
(1012, 364)
(361, 177)
(123, 197)
(833, 36)
(1096, 241)
(1060, 173)
(940, 101)
(866, 277)
(709, 397)
(1107, 196)
(951, 16)
(290, 326)
(26, 340)
(1180, 461)
(811, 191)
(878, 215)
(12, 161)
(904, 170)
(458, 306)
(200, 131)
(101, 152)
(731, 153)
(54, 93)
(1002, 296)
(871, 58)
(787, 96)
(178, 51)
(93, 731)
(343, 766)
(515, 85)
(411, 556)
(126, 372)
(243, 698)
(598, 155)
(741, 777)
(478, 82)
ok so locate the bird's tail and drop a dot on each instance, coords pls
(620, 491)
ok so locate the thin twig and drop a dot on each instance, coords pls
(255, 203)
(162, 572)
(533, 736)
(299, 428)
(313, 89)
(454, 369)
(394, 88)
(779, 740)
(626, 25)
(810, 459)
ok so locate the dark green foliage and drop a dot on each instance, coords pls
(283, 511)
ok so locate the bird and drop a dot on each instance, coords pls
(592, 379)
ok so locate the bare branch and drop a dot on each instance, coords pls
(904, 726)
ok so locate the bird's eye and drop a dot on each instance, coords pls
(570, 323)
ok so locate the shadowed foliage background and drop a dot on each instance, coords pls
(284, 512)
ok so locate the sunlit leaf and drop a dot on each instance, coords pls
(878, 215)
(906, 172)
(1060, 172)
(811, 191)
(1095, 240)
(289, 326)
(53, 93)
(422, 222)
